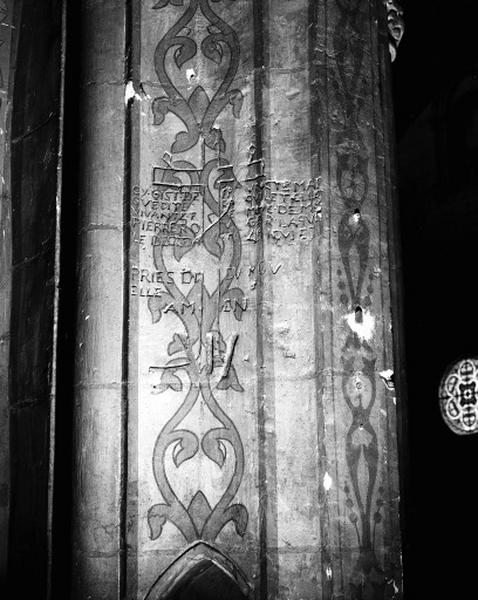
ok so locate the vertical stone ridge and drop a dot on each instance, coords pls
(361, 306)
(32, 270)
(127, 166)
(6, 54)
(397, 419)
(259, 73)
(56, 304)
(317, 76)
(98, 446)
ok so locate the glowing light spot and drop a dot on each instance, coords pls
(363, 326)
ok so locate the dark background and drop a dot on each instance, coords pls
(439, 227)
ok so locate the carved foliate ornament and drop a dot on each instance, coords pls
(396, 26)
(459, 396)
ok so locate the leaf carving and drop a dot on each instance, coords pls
(213, 241)
(199, 510)
(168, 380)
(156, 305)
(213, 447)
(236, 98)
(184, 244)
(214, 139)
(185, 448)
(176, 345)
(186, 139)
(238, 514)
(199, 101)
(157, 517)
(212, 49)
(185, 51)
(230, 381)
(163, 3)
(160, 108)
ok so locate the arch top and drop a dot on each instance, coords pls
(203, 572)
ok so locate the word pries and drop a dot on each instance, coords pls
(148, 283)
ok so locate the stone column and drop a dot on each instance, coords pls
(247, 302)
(6, 25)
(98, 474)
(30, 122)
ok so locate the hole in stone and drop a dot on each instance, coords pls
(355, 217)
(190, 75)
(358, 314)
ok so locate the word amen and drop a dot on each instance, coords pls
(181, 307)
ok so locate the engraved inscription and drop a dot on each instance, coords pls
(284, 212)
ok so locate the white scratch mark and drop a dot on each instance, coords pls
(387, 378)
(362, 326)
(131, 94)
(190, 75)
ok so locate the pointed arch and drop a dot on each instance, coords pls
(199, 568)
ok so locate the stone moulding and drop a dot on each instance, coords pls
(195, 559)
(396, 26)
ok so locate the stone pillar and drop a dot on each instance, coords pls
(235, 398)
(6, 25)
(30, 122)
(98, 524)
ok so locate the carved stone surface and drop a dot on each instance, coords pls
(256, 186)
(396, 25)
(6, 22)
(31, 181)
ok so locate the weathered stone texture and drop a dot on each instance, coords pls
(31, 100)
(250, 167)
